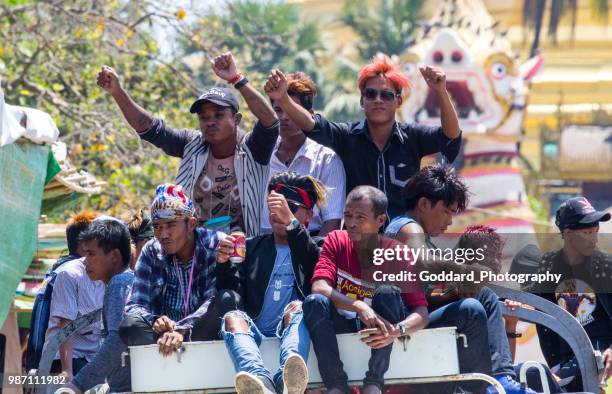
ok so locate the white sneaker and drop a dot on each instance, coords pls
(295, 375)
(247, 383)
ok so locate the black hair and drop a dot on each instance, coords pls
(140, 226)
(316, 190)
(438, 182)
(379, 201)
(110, 234)
(305, 99)
(75, 226)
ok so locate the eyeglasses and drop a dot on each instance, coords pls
(294, 206)
(385, 95)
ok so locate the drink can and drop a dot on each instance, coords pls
(239, 247)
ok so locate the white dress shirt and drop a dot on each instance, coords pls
(321, 163)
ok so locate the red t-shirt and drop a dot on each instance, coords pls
(339, 264)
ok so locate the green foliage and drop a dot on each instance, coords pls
(538, 207)
(343, 103)
(262, 36)
(386, 30)
(601, 9)
(50, 54)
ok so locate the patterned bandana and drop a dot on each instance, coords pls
(170, 202)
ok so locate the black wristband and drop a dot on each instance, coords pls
(243, 81)
(514, 334)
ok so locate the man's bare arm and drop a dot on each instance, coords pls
(417, 320)
(339, 300)
(224, 66)
(276, 89)
(365, 313)
(259, 106)
(65, 350)
(136, 116)
(436, 80)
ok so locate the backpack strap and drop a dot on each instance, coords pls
(49, 352)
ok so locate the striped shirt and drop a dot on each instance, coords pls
(321, 163)
(251, 163)
(156, 292)
(75, 295)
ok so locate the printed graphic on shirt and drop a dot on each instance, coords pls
(282, 279)
(400, 174)
(217, 193)
(279, 293)
(578, 298)
(354, 288)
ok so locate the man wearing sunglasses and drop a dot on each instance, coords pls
(273, 280)
(379, 151)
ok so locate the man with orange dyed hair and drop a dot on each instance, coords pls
(295, 152)
(379, 151)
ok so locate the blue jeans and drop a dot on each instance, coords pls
(243, 347)
(501, 358)
(324, 322)
(470, 318)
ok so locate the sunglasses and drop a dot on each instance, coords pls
(385, 95)
(294, 206)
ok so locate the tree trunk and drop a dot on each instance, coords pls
(539, 16)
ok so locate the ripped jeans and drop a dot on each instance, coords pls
(243, 347)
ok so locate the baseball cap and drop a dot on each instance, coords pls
(219, 95)
(578, 212)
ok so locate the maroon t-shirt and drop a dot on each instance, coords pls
(339, 264)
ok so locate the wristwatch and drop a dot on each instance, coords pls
(402, 329)
(293, 224)
(243, 81)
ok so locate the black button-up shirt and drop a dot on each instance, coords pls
(390, 169)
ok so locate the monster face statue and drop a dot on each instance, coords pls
(489, 89)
